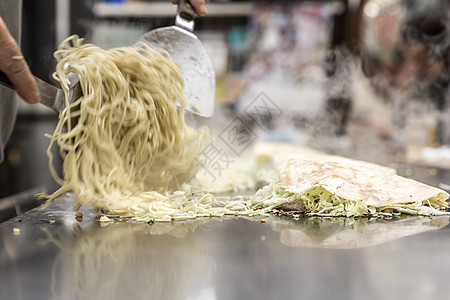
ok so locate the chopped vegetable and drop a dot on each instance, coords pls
(104, 219)
(317, 201)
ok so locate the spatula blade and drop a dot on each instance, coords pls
(195, 66)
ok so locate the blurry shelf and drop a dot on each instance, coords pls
(166, 9)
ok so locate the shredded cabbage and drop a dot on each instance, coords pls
(317, 201)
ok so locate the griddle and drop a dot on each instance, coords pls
(51, 254)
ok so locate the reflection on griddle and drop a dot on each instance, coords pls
(349, 233)
(131, 261)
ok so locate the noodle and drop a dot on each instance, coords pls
(124, 141)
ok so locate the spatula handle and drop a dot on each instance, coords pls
(186, 10)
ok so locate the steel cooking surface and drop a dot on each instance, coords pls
(49, 254)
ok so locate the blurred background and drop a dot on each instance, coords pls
(367, 79)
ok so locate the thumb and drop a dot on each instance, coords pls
(15, 67)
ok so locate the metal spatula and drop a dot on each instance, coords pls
(195, 64)
(51, 96)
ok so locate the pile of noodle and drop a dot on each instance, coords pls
(124, 140)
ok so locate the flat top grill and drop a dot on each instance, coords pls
(49, 254)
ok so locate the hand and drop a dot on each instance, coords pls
(15, 67)
(199, 6)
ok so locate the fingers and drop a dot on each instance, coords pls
(199, 6)
(15, 67)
